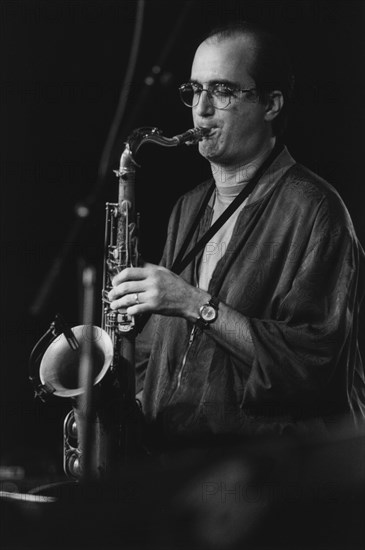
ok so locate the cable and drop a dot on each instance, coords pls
(83, 210)
(118, 117)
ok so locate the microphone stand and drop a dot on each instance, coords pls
(86, 378)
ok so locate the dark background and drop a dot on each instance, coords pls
(63, 65)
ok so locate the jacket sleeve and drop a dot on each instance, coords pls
(313, 342)
(143, 351)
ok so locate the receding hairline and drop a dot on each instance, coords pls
(220, 36)
(247, 39)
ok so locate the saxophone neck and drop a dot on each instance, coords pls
(153, 135)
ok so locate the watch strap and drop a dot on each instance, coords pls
(214, 301)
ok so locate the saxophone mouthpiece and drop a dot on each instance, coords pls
(204, 132)
(191, 137)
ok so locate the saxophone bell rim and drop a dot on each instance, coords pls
(60, 362)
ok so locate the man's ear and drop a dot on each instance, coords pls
(274, 105)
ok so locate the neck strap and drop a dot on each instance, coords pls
(182, 261)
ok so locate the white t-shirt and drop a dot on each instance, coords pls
(217, 246)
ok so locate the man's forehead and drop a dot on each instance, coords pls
(223, 58)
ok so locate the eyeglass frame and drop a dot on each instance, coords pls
(232, 90)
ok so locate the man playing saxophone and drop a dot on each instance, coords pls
(258, 331)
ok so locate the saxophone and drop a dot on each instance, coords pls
(99, 435)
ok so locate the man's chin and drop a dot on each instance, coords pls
(208, 151)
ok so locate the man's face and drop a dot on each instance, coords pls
(239, 132)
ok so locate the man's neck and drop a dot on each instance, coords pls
(230, 175)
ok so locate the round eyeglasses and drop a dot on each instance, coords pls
(219, 94)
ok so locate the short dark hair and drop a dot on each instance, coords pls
(271, 67)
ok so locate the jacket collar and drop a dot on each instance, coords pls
(273, 174)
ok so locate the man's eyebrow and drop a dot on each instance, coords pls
(217, 81)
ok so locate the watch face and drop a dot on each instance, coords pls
(208, 313)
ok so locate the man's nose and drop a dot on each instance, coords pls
(205, 106)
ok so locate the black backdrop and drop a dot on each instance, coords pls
(63, 65)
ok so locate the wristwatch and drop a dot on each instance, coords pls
(208, 312)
